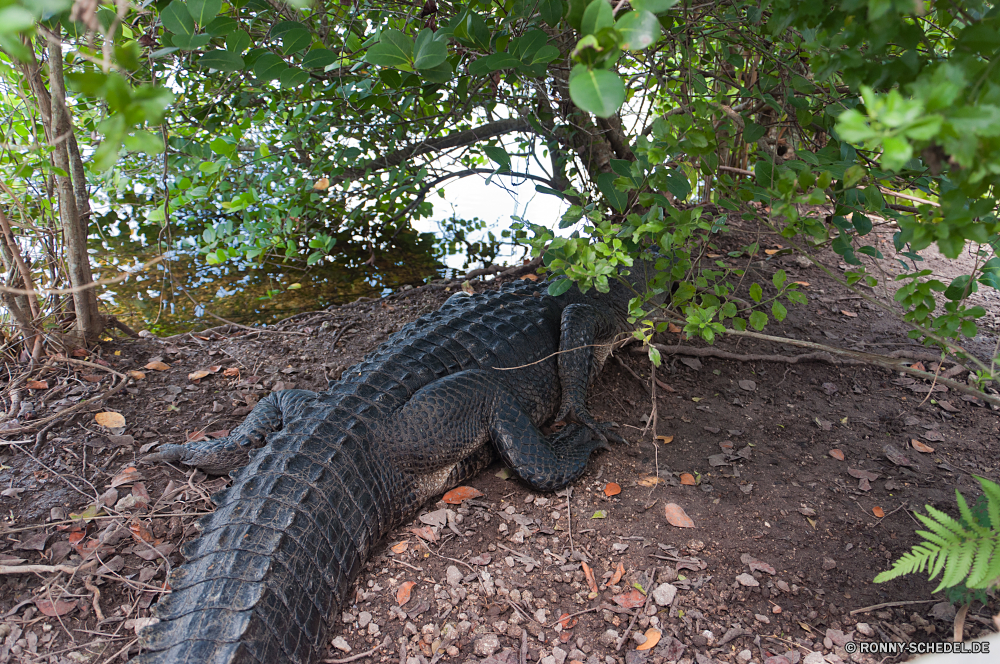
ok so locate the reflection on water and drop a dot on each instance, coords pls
(173, 296)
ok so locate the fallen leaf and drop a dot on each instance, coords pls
(934, 436)
(33, 543)
(630, 600)
(401, 547)
(136, 375)
(195, 436)
(321, 184)
(53, 609)
(897, 457)
(747, 385)
(38, 385)
(612, 489)
(859, 474)
(921, 447)
(403, 594)
(221, 433)
(110, 419)
(600, 514)
(617, 576)
(665, 439)
(878, 511)
(675, 329)
(919, 366)
(140, 532)
(837, 454)
(589, 573)
(504, 473)
(747, 580)
(467, 288)
(231, 372)
(79, 352)
(195, 376)
(157, 366)
(804, 284)
(849, 314)
(530, 277)
(93, 378)
(458, 494)
(126, 476)
(652, 638)
(864, 484)
(12, 492)
(687, 479)
(426, 533)
(946, 405)
(567, 621)
(769, 252)
(676, 516)
(761, 566)
(650, 480)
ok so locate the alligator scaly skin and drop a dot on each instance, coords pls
(327, 475)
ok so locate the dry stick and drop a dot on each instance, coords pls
(573, 615)
(930, 391)
(524, 646)
(353, 657)
(859, 356)
(635, 616)
(44, 569)
(886, 605)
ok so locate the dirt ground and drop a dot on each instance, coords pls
(778, 567)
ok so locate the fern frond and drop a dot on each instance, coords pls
(972, 523)
(937, 540)
(946, 522)
(958, 565)
(907, 564)
(992, 574)
(979, 568)
(992, 492)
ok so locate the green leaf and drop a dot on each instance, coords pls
(758, 320)
(177, 19)
(600, 514)
(862, 223)
(393, 50)
(654, 6)
(597, 15)
(498, 155)
(559, 286)
(14, 19)
(269, 66)
(545, 54)
(237, 41)
(779, 278)
(294, 41)
(221, 60)
(494, 62)
(616, 199)
(293, 77)
(190, 42)
(427, 51)
(778, 311)
(203, 11)
(597, 91)
(551, 11)
(654, 356)
(318, 58)
(752, 132)
(896, 151)
(639, 29)
(756, 292)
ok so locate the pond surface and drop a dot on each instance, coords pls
(180, 293)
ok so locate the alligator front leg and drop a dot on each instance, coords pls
(221, 455)
(444, 433)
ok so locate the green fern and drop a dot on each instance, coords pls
(966, 552)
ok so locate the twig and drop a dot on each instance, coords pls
(573, 615)
(886, 605)
(44, 569)
(72, 409)
(353, 658)
(635, 616)
(524, 646)
(907, 197)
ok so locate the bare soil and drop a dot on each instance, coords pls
(780, 560)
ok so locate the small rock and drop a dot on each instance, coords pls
(453, 575)
(373, 629)
(747, 580)
(664, 594)
(57, 514)
(762, 618)
(364, 618)
(340, 644)
(548, 660)
(865, 629)
(777, 659)
(829, 563)
(609, 638)
(783, 586)
(540, 616)
(744, 655)
(486, 645)
(559, 654)
(837, 636)
(813, 658)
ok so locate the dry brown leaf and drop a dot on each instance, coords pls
(215, 368)
(612, 489)
(401, 547)
(804, 284)
(53, 609)
(140, 533)
(37, 385)
(849, 314)
(617, 576)
(630, 600)
(110, 419)
(93, 378)
(321, 184)
(195, 436)
(676, 516)
(136, 375)
(589, 573)
(403, 594)
(769, 252)
(195, 376)
(127, 476)
(919, 366)
(650, 480)
(687, 479)
(921, 447)
(530, 277)
(460, 493)
(652, 638)
(878, 511)
(675, 329)
(231, 372)
(157, 366)
(837, 454)
(665, 439)
(426, 533)
(567, 621)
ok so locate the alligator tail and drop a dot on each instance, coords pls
(277, 557)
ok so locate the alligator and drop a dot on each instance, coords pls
(321, 478)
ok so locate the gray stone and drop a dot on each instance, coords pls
(744, 655)
(548, 660)
(747, 580)
(340, 644)
(664, 594)
(486, 645)
(837, 636)
(364, 618)
(865, 629)
(609, 638)
(813, 658)
(453, 575)
(559, 654)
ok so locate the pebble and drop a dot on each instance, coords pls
(813, 658)
(340, 644)
(548, 660)
(664, 594)
(486, 645)
(609, 638)
(453, 575)
(837, 637)
(762, 618)
(559, 655)
(744, 656)
(777, 659)
(747, 580)
(364, 618)
(540, 616)
(865, 629)
(373, 629)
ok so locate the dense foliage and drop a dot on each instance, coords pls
(289, 130)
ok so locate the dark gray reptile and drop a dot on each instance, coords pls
(326, 475)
